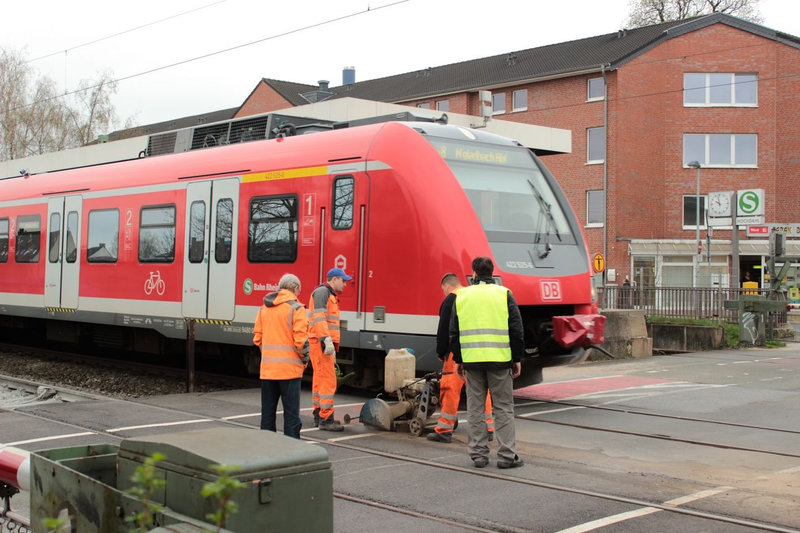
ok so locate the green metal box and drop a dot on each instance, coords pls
(288, 482)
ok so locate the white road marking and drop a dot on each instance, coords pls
(54, 437)
(537, 413)
(644, 511)
(163, 424)
(788, 471)
(351, 437)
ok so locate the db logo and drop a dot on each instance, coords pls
(550, 289)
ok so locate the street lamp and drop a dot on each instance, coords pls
(696, 164)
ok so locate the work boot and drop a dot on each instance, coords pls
(517, 462)
(329, 424)
(316, 417)
(440, 437)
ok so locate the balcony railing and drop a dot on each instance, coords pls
(679, 302)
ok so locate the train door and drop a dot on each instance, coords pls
(62, 269)
(209, 270)
(344, 240)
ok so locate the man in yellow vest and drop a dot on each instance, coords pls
(487, 339)
(281, 332)
(451, 383)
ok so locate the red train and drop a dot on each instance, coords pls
(120, 255)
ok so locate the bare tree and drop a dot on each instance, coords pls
(646, 12)
(36, 119)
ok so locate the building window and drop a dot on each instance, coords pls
(157, 234)
(690, 212)
(721, 149)
(719, 89)
(498, 103)
(595, 145)
(519, 100)
(595, 208)
(596, 89)
(272, 235)
(443, 105)
(424, 105)
(102, 243)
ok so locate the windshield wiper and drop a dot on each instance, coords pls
(546, 209)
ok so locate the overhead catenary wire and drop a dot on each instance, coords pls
(214, 53)
(123, 32)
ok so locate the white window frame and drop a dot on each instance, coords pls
(707, 100)
(589, 223)
(588, 147)
(703, 213)
(514, 108)
(589, 97)
(501, 97)
(704, 161)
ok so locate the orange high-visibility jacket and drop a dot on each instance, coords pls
(323, 310)
(281, 331)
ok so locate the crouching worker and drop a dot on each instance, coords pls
(451, 383)
(281, 332)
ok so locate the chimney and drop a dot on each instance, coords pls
(323, 85)
(348, 75)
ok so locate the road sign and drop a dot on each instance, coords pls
(599, 263)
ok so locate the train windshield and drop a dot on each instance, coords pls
(512, 198)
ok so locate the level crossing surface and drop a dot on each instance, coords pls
(703, 441)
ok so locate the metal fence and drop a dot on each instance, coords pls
(679, 302)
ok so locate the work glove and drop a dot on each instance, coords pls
(329, 348)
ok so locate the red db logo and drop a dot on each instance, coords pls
(550, 289)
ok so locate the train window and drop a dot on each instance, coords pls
(29, 231)
(3, 240)
(72, 232)
(342, 213)
(157, 234)
(197, 232)
(224, 234)
(102, 242)
(55, 237)
(272, 231)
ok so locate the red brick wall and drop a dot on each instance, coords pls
(263, 99)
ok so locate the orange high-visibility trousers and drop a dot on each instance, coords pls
(323, 381)
(449, 396)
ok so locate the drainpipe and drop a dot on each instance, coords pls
(605, 166)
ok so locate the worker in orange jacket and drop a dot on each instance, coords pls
(451, 384)
(324, 336)
(281, 332)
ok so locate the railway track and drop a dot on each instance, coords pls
(438, 465)
(531, 417)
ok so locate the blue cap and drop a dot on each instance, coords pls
(338, 273)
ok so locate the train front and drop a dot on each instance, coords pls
(535, 241)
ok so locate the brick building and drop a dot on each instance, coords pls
(641, 104)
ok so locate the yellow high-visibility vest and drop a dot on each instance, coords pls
(482, 312)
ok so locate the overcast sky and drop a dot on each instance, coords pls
(151, 45)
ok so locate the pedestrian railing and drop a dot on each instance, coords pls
(679, 302)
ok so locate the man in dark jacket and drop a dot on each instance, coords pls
(487, 340)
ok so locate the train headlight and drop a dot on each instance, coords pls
(594, 294)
